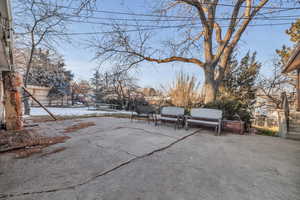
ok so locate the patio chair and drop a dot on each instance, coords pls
(205, 116)
(143, 111)
(171, 114)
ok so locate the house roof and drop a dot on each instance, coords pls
(294, 61)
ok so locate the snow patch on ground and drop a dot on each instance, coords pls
(37, 111)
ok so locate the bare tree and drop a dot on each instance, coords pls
(271, 88)
(122, 84)
(204, 30)
(114, 84)
(41, 24)
(275, 92)
(36, 24)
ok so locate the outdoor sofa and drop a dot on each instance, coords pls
(143, 111)
(205, 116)
(171, 114)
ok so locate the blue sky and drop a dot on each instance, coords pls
(263, 39)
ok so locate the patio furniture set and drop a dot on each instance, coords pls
(198, 116)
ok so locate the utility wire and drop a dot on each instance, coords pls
(277, 11)
(154, 27)
(273, 18)
(152, 15)
(150, 29)
(159, 26)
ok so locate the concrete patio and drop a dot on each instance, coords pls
(119, 159)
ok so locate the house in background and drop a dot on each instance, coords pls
(290, 125)
(47, 97)
(10, 105)
(293, 65)
(49, 81)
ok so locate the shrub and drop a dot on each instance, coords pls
(266, 131)
(230, 108)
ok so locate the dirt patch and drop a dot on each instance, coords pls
(26, 142)
(78, 126)
(24, 153)
(43, 119)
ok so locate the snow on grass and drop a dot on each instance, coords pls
(37, 111)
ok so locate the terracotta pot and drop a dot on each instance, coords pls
(234, 126)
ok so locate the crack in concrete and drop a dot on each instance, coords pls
(118, 149)
(100, 174)
(150, 132)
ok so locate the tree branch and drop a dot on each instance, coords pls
(175, 58)
(208, 29)
(230, 29)
(218, 33)
(164, 60)
(246, 21)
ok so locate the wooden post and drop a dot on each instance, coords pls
(298, 90)
(12, 100)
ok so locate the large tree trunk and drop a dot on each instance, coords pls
(12, 101)
(210, 87)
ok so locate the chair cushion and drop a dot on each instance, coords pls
(144, 109)
(175, 111)
(206, 113)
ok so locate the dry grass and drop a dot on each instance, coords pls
(272, 131)
(79, 126)
(185, 91)
(24, 153)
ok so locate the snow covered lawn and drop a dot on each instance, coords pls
(73, 111)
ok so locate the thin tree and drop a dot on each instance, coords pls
(122, 84)
(204, 31)
(36, 23)
(271, 87)
(40, 24)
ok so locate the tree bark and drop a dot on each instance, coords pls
(28, 67)
(12, 101)
(211, 86)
